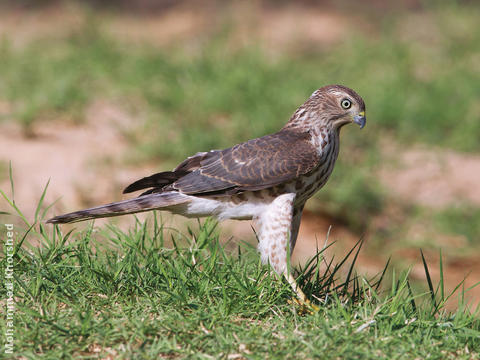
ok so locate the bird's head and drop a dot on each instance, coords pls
(331, 106)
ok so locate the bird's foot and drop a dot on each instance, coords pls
(305, 306)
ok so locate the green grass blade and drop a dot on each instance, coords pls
(429, 281)
(40, 202)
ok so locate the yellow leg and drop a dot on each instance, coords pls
(301, 295)
(305, 304)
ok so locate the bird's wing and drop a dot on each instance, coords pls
(254, 165)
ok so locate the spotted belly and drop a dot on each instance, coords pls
(308, 185)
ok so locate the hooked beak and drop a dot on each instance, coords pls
(360, 119)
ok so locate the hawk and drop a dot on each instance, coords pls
(267, 179)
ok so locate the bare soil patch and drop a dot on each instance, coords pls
(434, 177)
(277, 29)
(82, 162)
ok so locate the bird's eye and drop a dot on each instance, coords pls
(346, 104)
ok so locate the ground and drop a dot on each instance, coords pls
(85, 161)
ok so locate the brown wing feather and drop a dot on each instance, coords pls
(159, 180)
(254, 165)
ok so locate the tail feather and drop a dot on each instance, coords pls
(139, 204)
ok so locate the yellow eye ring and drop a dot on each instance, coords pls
(346, 104)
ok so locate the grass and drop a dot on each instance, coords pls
(105, 293)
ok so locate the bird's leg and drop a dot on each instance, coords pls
(278, 225)
(273, 233)
(302, 298)
(294, 228)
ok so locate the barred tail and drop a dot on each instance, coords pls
(139, 204)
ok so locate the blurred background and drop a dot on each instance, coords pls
(95, 94)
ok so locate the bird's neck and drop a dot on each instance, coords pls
(323, 137)
(306, 118)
